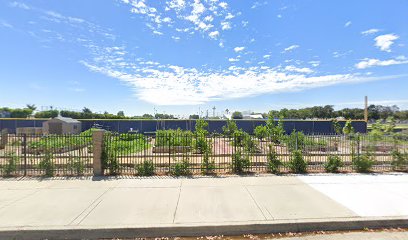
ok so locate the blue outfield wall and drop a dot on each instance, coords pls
(146, 126)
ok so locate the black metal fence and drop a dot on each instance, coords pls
(184, 152)
(189, 153)
(51, 155)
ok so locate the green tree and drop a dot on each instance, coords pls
(237, 115)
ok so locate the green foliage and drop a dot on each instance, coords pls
(240, 162)
(243, 139)
(297, 163)
(146, 168)
(110, 162)
(399, 160)
(274, 131)
(333, 164)
(47, 165)
(47, 114)
(12, 161)
(337, 127)
(201, 127)
(230, 128)
(261, 132)
(76, 166)
(181, 168)
(363, 163)
(207, 165)
(348, 128)
(299, 141)
(174, 138)
(237, 115)
(273, 161)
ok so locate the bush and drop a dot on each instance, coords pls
(230, 128)
(109, 161)
(76, 166)
(174, 138)
(11, 165)
(181, 168)
(333, 164)
(363, 163)
(399, 160)
(297, 163)
(348, 128)
(261, 132)
(273, 161)
(47, 165)
(207, 165)
(146, 168)
(240, 162)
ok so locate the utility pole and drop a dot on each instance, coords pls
(366, 109)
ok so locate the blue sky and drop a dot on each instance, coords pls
(179, 56)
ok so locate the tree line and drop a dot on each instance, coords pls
(375, 112)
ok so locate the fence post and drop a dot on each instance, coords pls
(25, 153)
(4, 138)
(98, 144)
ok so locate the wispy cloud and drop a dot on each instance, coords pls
(298, 70)
(384, 42)
(347, 24)
(20, 5)
(372, 62)
(370, 31)
(291, 48)
(5, 24)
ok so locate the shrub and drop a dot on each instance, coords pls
(297, 163)
(76, 165)
(200, 127)
(11, 165)
(337, 127)
(399, 160)
(230, 128)
(174, 138)
(363, 163)
(181, 168)
(273, 161)
(207, 165)
(146, 168)
(109, 161)
(261, 132)
(333, 164)
(240, 162)
(47, 165)
(348, 128)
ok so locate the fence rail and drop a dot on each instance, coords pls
(190, 153)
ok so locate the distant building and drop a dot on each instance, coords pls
(253, 116)
(62, 125)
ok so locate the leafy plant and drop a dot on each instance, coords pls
(399, 160)
(240, 162)
(76, 166)
(181, 168)
(297, 164)
(230, 128)
(273, 161)
(363, 163)
(337, 127)
(11, 165)
(200, 127)
(333, 164)
(348, 128)
(47, 165)
(174, 138)
(261, 132)
(207, 165)
(146, 168)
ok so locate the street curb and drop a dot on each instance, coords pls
(205, 230)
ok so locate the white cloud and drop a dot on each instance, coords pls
(239, 49)
(20, 5)
(225, 25)
(385, 41)
(298, 70)
(314, 63)
(5, 24)
(157, 32)
(233, 59)
(372, 62)
(267, 56)
(347, 24)
(214, 34)
(370, 31)
(291, 48)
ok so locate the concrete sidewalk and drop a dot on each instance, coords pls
(164, 206)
